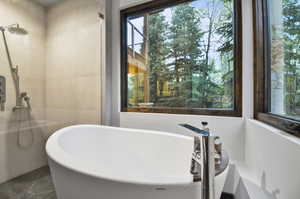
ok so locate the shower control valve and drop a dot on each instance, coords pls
(2, 93)
(24, 94)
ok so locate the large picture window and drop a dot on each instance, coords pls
(277, 63)
(182, 57)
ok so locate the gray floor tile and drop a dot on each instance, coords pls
(35, 185)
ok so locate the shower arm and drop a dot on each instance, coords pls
(14, 70)
(7, 50)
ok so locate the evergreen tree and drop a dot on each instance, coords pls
(180, 54)
(291, 32)
(209, 87)
(184, 41)
(225, 30)
(158, 51)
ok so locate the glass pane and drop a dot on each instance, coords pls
(285, 57)
(51, 62)
(182, 56)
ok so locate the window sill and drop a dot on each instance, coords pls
(288, 125)
(210, 112)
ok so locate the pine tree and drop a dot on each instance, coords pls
(209, 88)
(158, 51)
(291, 32)
(225, 30)
(184, 41)
(180, 54)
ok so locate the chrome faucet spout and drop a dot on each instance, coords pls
(195, 130)
(203, 161)
(208, 167)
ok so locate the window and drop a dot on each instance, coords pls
(277, 63)
(182, 57)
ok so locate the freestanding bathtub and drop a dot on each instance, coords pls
(98, 162)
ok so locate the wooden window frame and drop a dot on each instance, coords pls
(261, 73)
(160, 4)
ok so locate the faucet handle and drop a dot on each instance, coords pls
(218, 145)
(204, 123)
(23, 94)
(205, 128)
(218, 150)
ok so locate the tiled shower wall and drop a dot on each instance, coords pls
(74, 58)
(60, 67)
(28, 52)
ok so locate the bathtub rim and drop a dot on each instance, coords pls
(58, 155)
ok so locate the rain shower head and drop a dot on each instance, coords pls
(16, 29)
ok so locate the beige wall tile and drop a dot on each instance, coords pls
(60, 93)
(28, 52)
(59, 67)
(74, 59)
(88, 117)
(87, 93)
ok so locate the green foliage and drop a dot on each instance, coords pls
(291, 36)
(226, 30)
(184, 40)
(182, 53)
(291, 13)
(158, 52)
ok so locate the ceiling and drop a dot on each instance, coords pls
(46, 3)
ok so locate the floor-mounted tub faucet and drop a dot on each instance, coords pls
(203, 166)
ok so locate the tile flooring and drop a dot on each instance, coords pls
(35, 185)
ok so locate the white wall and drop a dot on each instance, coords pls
(231, 130)
(106, 99)
(115, 79)
(273, 160)
(129, 3)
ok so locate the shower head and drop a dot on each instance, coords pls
(16, 29)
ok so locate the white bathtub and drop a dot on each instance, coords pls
(97, 162)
